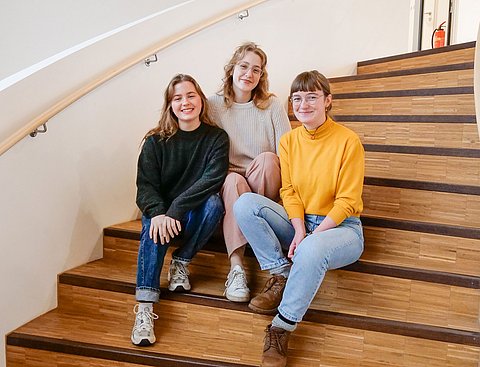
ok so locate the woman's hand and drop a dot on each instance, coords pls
(164, 227)
(327, 223)
(299, 226)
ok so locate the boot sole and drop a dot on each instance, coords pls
(262, 311)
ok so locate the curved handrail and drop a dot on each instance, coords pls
(71, 98)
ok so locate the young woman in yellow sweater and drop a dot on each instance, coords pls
(322, 168)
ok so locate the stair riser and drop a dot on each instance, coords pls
(420, 205)
(209, 333)
(439, 135)
(443, 58)
(457, 104)
(382, 246)
(457, 78)
(347, 292)
(422, 250)
(426, 168)
(27, 357)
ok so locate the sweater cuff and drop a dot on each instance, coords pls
(295, 212)
(337, 214)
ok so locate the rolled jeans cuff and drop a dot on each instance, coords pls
(147, 295)
(277, 264)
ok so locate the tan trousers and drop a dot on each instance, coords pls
(262, 177)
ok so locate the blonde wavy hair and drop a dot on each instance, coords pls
(168, 123)
(260, 94)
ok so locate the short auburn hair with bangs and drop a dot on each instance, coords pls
(311, 81)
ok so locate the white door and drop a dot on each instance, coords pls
(435, 12)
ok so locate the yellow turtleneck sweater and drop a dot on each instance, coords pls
(324, 175)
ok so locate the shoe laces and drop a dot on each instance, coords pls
(276, 283)
(143, 319)
(236, 279)
(178, 271)
(274, 339)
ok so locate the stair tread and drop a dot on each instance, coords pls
(95, 319)
(349, 293)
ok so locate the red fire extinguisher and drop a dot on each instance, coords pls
(438, 36)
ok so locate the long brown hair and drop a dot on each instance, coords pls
(310, 81)
(168, 123)
(260, 94)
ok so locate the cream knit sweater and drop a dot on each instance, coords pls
(251, 130)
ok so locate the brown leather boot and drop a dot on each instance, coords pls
(270, 296)
(275, 348)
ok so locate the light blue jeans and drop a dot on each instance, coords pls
(269, 232)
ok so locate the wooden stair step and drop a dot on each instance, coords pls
(426, 206)
(356, 292)
(439, 135)
(448, 246)
(462, 104)
(454, 54)
(448, 170)
(191, 334)
(444, 76)
(422, 250)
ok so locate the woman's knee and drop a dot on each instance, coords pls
(245, 205)
(270, 161)
(310, 253)
(235, 183)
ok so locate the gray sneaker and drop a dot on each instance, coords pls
(236, 289)
(142, 333)
(178, 277)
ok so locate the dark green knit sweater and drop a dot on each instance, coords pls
(178, 174)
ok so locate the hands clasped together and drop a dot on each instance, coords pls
(300, 232)
(165, 228)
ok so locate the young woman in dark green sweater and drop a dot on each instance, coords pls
(181, 168)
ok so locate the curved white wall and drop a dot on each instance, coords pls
(60, 189)
(38, 29)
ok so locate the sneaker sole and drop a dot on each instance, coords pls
(143, 343)
(237, 299)
(262, 311)
(179, 288)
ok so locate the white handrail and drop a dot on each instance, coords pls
(71, 98)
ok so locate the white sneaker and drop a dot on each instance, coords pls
(142, 333)
(178, 277)
(236, 289)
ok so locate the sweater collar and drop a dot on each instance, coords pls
(191, 134)
(319, 133)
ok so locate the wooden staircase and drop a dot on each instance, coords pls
(413, 299)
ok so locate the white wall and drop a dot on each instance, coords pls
(466, 20)
(33, 30)
(60, 189)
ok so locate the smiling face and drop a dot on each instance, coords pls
(186, 105)
(246, 75)
(310, 107)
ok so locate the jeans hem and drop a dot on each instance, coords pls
(183, 259)
(146, 294)
(277, 264)
(288, 316)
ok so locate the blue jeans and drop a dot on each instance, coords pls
(198, 226)
(266, 226)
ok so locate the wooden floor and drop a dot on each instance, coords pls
(413, 299)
